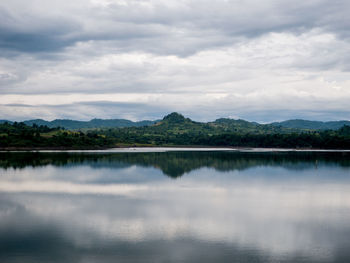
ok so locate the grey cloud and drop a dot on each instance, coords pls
(182, 29)
(257, 54)
(5, 76)
(266, 116)
(31, 42)
(18, 105)
(144, 111)
(86, 111)
(35, 34)
(135, 111)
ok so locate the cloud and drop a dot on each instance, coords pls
(158, 26)
(199, 56)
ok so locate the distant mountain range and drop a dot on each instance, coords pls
(94, 123)
(312, 125)
(173, 130)
(119, 123)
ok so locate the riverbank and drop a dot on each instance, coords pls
(133, 148)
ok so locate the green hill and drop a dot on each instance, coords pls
(173, 130)
(223, 124)
(94, 123)
(312, 125)
(4, 121)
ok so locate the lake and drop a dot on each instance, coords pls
(175, 206)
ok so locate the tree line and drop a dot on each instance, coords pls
(175, 134)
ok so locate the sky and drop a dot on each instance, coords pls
(257, 60)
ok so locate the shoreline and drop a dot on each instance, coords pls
(162, 149)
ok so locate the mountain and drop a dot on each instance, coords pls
(174, 129)
(179, 124)
(94, 123)
(311, 125)
(4, 121)
(243, 126)
(234, 125)
(175, 118)
(222, 124)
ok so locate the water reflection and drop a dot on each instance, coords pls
(175, 164)
(245, 207)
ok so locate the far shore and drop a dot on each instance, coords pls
(165, 148)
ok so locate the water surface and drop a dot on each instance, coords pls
(179, 206)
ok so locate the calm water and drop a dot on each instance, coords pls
(175, 207)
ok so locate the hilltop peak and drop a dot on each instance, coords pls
(174, 117)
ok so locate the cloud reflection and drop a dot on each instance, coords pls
(264, 213)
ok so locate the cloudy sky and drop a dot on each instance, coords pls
(258, 60)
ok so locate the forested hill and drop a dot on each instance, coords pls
(94, 123)
(174, 130)
(223, 122)
(311, 125)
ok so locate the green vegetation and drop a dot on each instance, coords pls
(312, 125)
(176, 130)
(120, 123)
(94, 123)
(19, 135)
